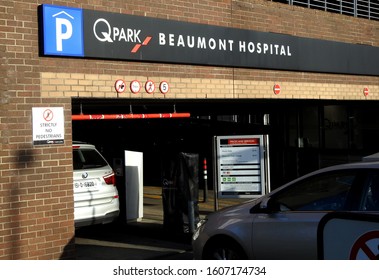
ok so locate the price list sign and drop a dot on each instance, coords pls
(240, 166)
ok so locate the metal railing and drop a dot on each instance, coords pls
(358, 8)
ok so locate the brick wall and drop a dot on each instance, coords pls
(36, 203)
(102, 86)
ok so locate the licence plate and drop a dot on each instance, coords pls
(85, 186)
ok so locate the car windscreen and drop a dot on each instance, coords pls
(86, 158)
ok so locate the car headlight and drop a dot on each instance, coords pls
(199, 226)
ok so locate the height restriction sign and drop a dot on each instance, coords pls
(48, 125)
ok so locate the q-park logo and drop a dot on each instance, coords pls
(106, 33)
(63, 31)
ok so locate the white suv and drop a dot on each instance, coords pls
(96, 199)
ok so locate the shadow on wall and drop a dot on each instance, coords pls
(13, 191)
(69, 252)
(23, 159)
(16, 191)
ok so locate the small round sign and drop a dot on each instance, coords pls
(150, 86)
(277, 89)
(365, 91)
(48, 115)
(164, 87)
(120, 86)
(135, 86)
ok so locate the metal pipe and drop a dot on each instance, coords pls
(129, 116)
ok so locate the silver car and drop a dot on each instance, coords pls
(96, 199)
(283, 224)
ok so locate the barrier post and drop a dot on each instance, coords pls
(205, 180)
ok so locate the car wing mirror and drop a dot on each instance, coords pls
(269, 205)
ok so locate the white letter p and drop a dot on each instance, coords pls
(60, 22)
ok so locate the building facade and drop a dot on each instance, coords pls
(240, 53)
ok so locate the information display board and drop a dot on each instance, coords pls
(240, 166)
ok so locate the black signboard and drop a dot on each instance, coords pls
(116, 36)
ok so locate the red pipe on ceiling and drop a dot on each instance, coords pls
(129, 116)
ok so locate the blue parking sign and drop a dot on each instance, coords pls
(62, 31)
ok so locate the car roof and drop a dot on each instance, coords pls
(371, 158)
(354, 165)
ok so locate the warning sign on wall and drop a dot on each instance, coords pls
(48, 125)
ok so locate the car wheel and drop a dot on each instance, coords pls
(224, 250)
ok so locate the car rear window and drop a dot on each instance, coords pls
(86, 158)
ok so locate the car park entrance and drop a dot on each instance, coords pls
(304, 135)
(300, 134)
(160, 138)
